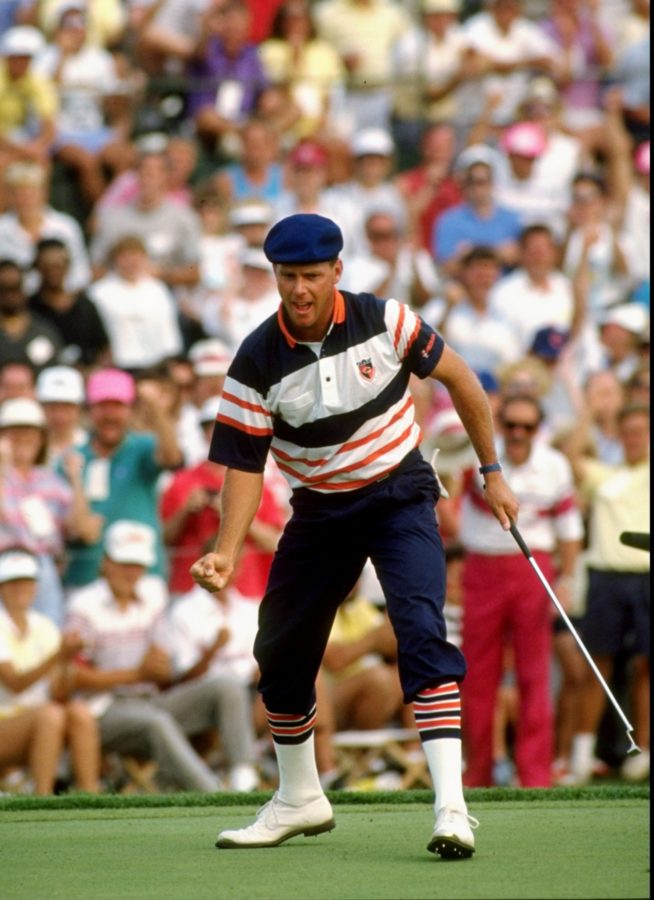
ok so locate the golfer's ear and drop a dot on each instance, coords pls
(338, 270)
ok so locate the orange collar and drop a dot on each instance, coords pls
(338, 317)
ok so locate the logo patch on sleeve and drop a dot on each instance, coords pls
(366, 369)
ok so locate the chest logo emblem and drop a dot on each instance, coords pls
(366, 369)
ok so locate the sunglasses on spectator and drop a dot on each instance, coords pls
(512, 425)
(477, 181)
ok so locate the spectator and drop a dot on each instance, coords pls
(35, 728)
(171, 234)
(430, 188)
(632, 76)
(232, 315)
(28, 104)
(228, 73)
(520, 185)
(213, 636)
(308, 67)
(371, 187)
(125, 669)
(363, 33)
(181, 158)
(563, 154)
(514, 48)
(603, 398)
(17, 379)
(584, 57)
(360, 668)
(308, 191)
(503, 601)
(40, 508)
(219, 247)
(191, 515)
(121, 467)
(478, 220)
(60, 391)
(616, 618)
(536, 294)
(168, 34)
(258, 174)
(411, 271)
(73, 314)
(85, 76)
(30, 219)
(435, 73)
(137, 309)
(467, 319)
(25, 338)
(593, 239)
(636, 215)
(621, 331)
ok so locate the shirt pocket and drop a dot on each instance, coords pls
(297, 410)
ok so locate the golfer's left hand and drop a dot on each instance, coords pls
(501, 499)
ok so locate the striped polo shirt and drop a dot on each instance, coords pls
(336, 415)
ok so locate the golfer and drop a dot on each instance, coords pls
(323, 385)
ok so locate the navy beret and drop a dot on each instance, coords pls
(303, 238)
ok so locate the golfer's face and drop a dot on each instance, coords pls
(307, 293)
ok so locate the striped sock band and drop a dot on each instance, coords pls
(438, 712)
(288, 728)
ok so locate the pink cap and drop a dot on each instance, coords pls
(110, 384)
(308, 153)
(524, 139)
(642, 158)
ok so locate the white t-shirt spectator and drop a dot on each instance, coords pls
(526, 307)
(523, 42)
(25, 652)
(140, 319)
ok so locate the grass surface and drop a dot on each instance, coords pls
(551, 845)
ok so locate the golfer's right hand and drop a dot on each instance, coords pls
(212, 571)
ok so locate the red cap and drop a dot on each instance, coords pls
(308, 153)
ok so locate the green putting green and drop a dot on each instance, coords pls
(561, 844)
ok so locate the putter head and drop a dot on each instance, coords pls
(634, 749)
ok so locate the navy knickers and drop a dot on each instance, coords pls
(318, 561)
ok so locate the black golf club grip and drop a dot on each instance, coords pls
(520, 540)
(638, 539)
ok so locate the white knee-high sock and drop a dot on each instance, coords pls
(444, 761)
(437, 712)
(299, 782)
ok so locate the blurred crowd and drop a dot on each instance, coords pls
(489, 165)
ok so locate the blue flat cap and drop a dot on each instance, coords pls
(303, 238)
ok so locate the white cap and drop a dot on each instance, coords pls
(210, 357)
(15, 564)
(250, 214)
(209, 410)
(630, 316)
(255, 258)
(21, 40)
(373, 142)
(447, 432)
(130, 542)
(476, 153)
(441, 6)
(21, 411)
(60, 384)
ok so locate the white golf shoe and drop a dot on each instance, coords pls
(452, 837)
(276, 822)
